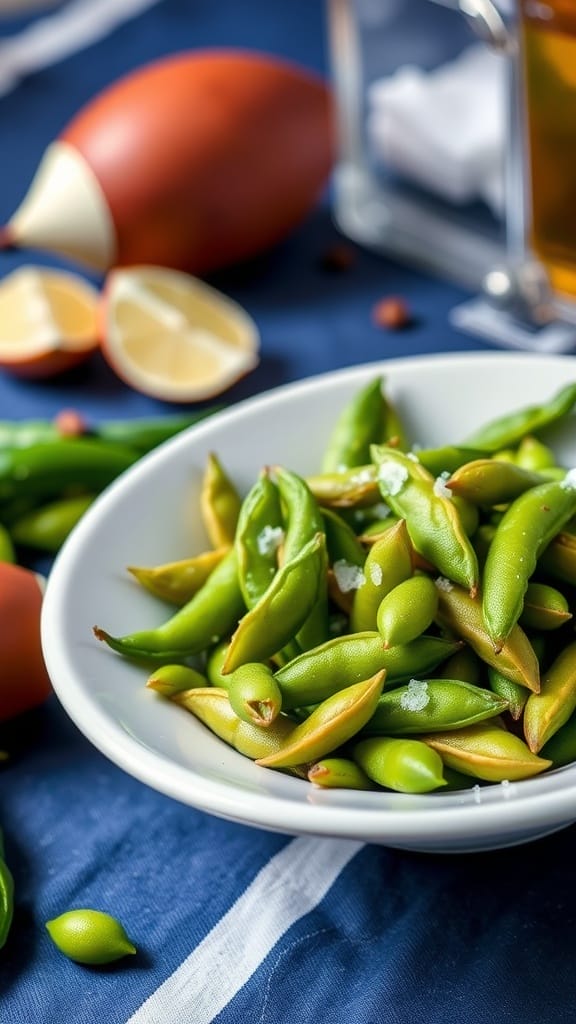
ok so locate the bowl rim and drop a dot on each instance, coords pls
(480, 811)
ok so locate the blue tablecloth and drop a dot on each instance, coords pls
(222, 932)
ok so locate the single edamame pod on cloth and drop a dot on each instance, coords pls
(6, 896)
(425, 705)
(434, 523)
(556, 701)
(526, 528)
(335, 721)
(407, 611)
(403, 765)
(515, 659)
(177, 582)
(388, 563)
(281, 611)
(89, 936)
(487, 751)
(210, 615)
(318, 673)
(219, 503)
(507, 431)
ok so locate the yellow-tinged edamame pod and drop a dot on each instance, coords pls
(515, 694)
(355, 488)
(433, 520)
(281, 611)
(487, 751)
(335, 721)
(177, 582)
(388, 563)
(407, 611)
(545, 608)
(254, 694)
(212, 707)
(492, 482)
(404, 765)
(316, 674)
(550, 709)
(462, 614)
(214, 663)
(338, 773)
(534, 454)
(170, 679)
(219, 503)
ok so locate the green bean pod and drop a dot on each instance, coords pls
(388, 563)
(178, 582)
(219, 503)
(434, 523)
(549, 710)
(491, 482)
(334, 722)
(338, 773)
(254, 694)
(210, 615)
(282, 610)
(508, 430)
(259, 534)
(360, 424)
(462, 614)
(403, 765)
(428, 705)
(487, 751)
(407, 611)
(526, 528)
(318, 673)
(6, 896)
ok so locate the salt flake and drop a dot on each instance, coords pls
(348, 576)
(443, 584)
(376, 574)
(392, 477)
(441, 490)
(269, 539)
(569, 481)
(415, 697)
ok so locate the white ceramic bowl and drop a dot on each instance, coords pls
(150, 516)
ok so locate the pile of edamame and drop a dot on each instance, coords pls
(401, 620)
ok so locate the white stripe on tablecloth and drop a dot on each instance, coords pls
(290, 885)
(52, 38)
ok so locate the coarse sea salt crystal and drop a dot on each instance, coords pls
(412, 456)
(381, 510)
(443, 584)
(392, 477)
(415, 696)
(440, 489)
(376, 574)
(569, 481)
(348, 576)
(269, 539)
(364, 476)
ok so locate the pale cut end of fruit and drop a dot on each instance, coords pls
(48, 321)
(173, 337)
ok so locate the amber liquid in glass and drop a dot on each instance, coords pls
(549, 46)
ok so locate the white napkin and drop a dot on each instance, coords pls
(444, 129)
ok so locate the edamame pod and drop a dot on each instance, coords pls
(388, 563)
(254, 694)
(170, 679)
(338, 773)
(545, 608)
(360, 424)
(6, 896)
(425, 705)
(406, 766)
(555, 702)
(259, 534)
(177, 582)
(212, 707)
(407, 611)
(487, 751)
(219, 503)
(507, 431)
(492, 482)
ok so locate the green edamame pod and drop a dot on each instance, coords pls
(442, 461)
(338, 773)
(464, 665)
(560, 749)
(558, 560)
(318, 673)
(434, 523)
(426, 705)
(491, 482)
(360, 424)
(170, 679)
(254, 694)
(342, 544)
(282, 610)
(210, 615)
(6, 896)
(545, 608)
(259, 533)
(46, 528)
(335, 721)
(177, 582)
(406, 766)
(43, 471)
(515, 659)
(219, 503)
(487, 751)
(555, 703)
(507, 431)
(214, 664)
(407, 611)
(524, 531)
(352, 489)
(515, 694)
(535, 455)
(148, 432)
(388, 563)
